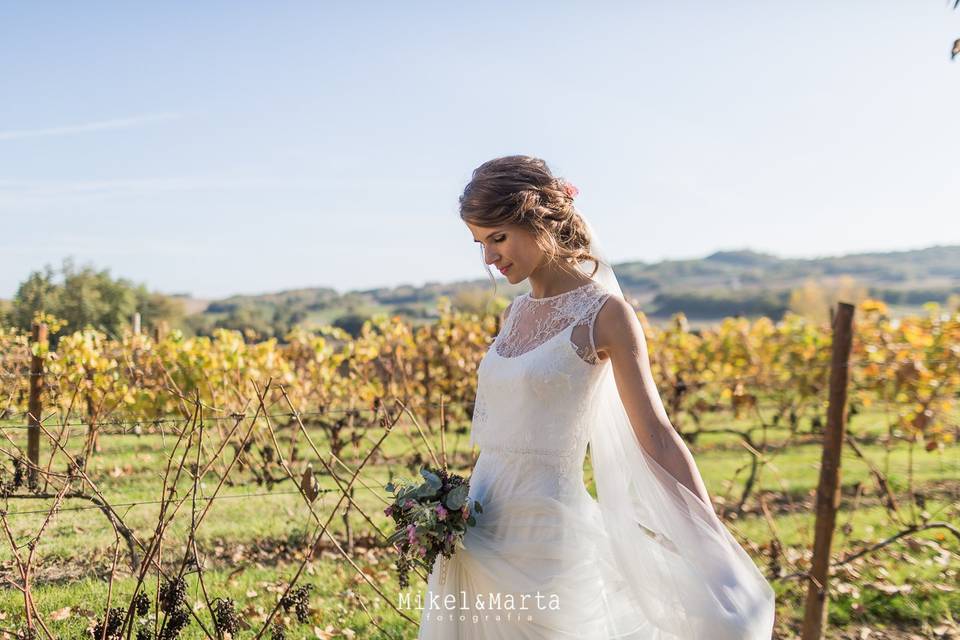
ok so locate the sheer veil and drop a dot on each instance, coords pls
(675, 559)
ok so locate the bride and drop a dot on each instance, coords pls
(648, 559)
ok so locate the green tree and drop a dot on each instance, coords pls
(38, 292)
(956, 43)
(814, 299)
(87, 297)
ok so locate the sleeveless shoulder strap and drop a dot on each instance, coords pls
(582, 334)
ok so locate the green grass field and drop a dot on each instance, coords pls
(253, 537)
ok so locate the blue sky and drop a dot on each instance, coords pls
(242, 147)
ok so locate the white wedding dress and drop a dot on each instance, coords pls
(541, 561)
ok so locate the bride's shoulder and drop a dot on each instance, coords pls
(616, 325)
(506, 310)
(505, 313)
(614, 310)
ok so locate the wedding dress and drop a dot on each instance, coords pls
(647, 560)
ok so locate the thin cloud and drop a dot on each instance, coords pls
(102, 125)
(23, 194)
(147, 185)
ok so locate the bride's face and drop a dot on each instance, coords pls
(510, 248)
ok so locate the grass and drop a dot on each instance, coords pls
(252, 542)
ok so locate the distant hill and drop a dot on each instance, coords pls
(721, 284)
(749, 282)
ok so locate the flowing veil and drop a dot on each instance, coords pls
(675, 559)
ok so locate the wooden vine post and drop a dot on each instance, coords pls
(35, 406)
(828, 489)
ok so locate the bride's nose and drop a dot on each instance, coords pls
(490, 256)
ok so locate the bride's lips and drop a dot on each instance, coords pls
(505, 269)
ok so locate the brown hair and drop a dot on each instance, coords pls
(522, 190)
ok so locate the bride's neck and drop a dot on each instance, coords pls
(555, 282)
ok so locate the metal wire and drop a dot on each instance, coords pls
(147, 422)
(137, 504)
(855, 361)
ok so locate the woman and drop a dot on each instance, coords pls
(648, 559)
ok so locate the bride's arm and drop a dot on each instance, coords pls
(620, 335)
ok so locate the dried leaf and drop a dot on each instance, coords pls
(308, 484)
(61, 614)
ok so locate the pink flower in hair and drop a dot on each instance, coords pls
(570, 189)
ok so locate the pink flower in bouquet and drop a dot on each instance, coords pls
(388, 511)
(411, 533)
(441, 512)
(465, 512)
(408, 504)
(422, 551)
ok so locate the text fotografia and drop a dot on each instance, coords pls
(491, 601)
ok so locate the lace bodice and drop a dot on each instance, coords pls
(532, 321)
(537, 381)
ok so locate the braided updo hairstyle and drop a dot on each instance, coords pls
(522, 190)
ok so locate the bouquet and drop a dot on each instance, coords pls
(431, 519)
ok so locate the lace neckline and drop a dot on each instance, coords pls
(563, 293)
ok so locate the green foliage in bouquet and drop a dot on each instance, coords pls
(431, 518)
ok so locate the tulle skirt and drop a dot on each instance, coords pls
(536, 565)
